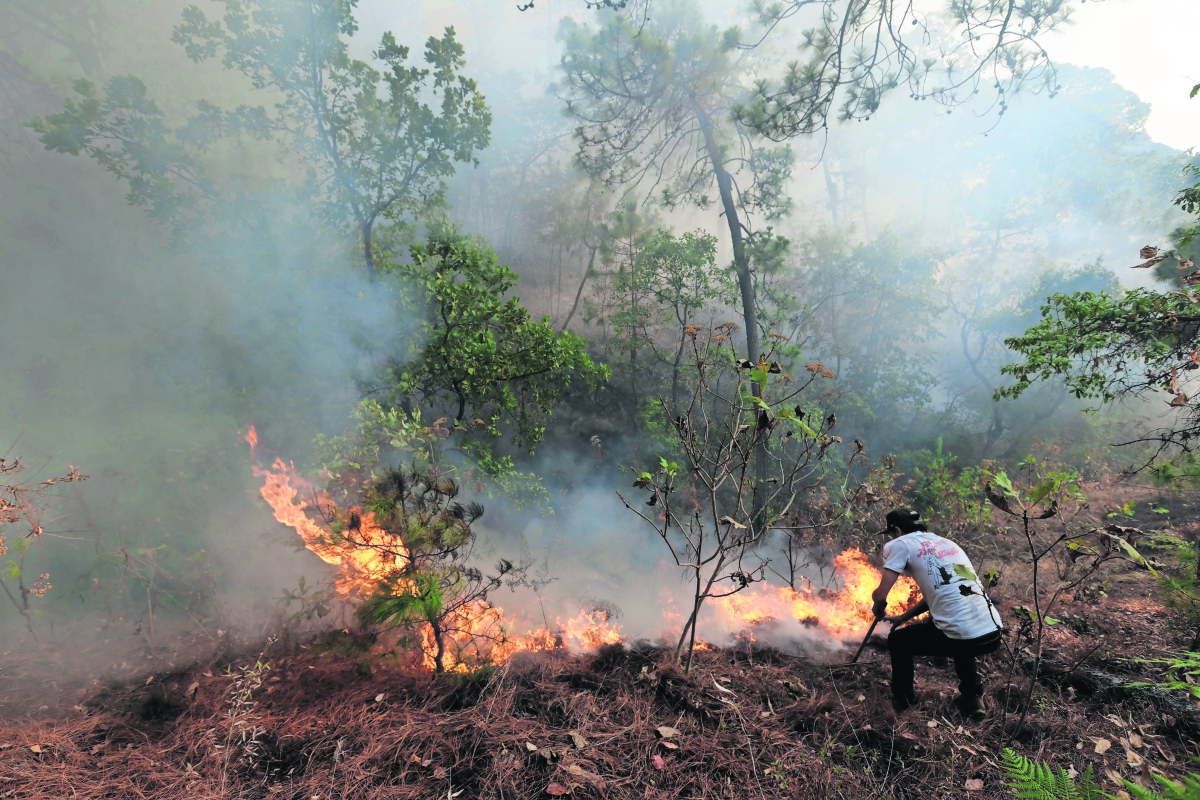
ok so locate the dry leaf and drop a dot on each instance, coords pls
(36, 748)
(657, 762)
(191, 689)
(149, 679)
(720, 687)
(439, 773)
(669, 745)
(1133, 759)
(666, 731)
(1150, 262)
(426, 762)
(579, 741)
(933, 723)
(1102, 746)
(416, 759)
(860, 698)
(590, 778)
(1115, 777)
(1072, 772)
(97, 748)
(1143, 778)
(531, 747)
(1135, 740)
(974, 785)
(379, 698)
(557, 789)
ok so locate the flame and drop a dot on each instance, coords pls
(367, 554)
(591, 629)
(844, 613)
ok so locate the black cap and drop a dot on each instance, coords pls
(905, 519)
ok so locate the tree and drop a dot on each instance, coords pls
(370, 156)
(1107, 348)
(653, 100)
(714, 509)
(860, 50)
(683, 280)
(434, 588)
(478, 356)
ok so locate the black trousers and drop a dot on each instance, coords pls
(924, 639)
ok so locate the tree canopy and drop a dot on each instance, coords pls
(374, 145)
(478, 356)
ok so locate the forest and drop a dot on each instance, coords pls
(482, 399)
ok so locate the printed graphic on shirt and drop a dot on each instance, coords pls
(947, 580)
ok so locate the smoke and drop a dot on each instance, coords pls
(141, 357)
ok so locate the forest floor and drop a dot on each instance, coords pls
(748, 722)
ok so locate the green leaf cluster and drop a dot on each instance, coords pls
(1033, 780)
(481, 359)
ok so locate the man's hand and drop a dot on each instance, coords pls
(880, 609)
(897, 619)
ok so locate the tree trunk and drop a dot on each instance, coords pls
(582, 283)
(740, 260)
(831, 188)
(746, 285)
(368, 250)
(440, 641)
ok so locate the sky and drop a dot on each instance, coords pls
(1146, 44)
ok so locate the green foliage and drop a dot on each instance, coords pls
(480, 358)
(942, 492)
(380, 434)
(1105, 346)
(1166, 789)
(417, 600)
(370, 156)
(1032, 780)
(1177, 473)
(425, 582)
(1179, 581)
(1180, 668)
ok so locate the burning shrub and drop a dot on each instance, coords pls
(432, 591)
(747, 450)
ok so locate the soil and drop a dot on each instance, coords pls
(624, 722)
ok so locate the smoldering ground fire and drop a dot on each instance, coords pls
(823, 616)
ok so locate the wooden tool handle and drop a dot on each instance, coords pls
(870, 630)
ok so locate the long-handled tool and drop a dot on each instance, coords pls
(870, 630)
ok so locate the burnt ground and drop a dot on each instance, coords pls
(748, 722)
(779, 726)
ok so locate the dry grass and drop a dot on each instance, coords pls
(828, 733)
(780, 726)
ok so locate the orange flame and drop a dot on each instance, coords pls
(367, 554)
(844, 613)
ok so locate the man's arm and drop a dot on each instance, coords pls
(916, 611)
(887, 580)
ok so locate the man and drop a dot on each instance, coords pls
(963, 623)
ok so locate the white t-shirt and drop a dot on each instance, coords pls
(956, 603)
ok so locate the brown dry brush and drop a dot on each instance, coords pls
(620, 723)
(24, 504)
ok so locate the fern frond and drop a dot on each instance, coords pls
(1032, 780)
